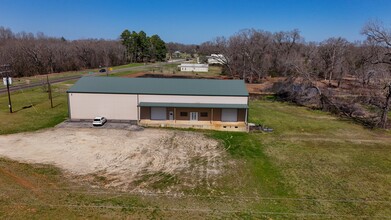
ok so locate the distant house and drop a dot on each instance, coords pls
(193, 67)
(177, 54)
(194, 103)
(217, 59)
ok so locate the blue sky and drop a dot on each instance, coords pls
(192, 21)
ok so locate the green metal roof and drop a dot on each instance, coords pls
(191, 105)
(117, 85)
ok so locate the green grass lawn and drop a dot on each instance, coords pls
(127, 66)
(42, 78)
(123, 73)
(338, 167)
(52, 76)
(31, 109)
(313, 165)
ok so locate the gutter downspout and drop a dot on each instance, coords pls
(138, 110)
(248, 106)
(69, 107)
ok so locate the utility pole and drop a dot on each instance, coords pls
(50, 91)
(8, 90)
(7, 82)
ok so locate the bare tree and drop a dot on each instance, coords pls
(380, 38)
(286, 47)
(332, 52)
(31, 54)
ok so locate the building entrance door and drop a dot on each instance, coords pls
(171, 115)
(193, 116)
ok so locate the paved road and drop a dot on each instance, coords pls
(3, 88)
(36, 84)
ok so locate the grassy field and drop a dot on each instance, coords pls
(31, 109)
(339, 168)
(123, 73)
(127, 66)
(52, 76)
(313, 165)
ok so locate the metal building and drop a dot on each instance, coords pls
(197, 103)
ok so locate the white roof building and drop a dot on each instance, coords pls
(193, 67)
(217, 59)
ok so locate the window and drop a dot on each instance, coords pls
(204, 114)
(183, 114)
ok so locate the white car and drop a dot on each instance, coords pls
(99, 121)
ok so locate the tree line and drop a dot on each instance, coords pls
(30, 54)
(315, 70)
(191, 49)
(142, 48)
(250, 54)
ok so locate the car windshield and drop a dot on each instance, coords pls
(97, 119)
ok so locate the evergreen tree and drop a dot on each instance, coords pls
(158, 47)
(125, 39)
(141, 48)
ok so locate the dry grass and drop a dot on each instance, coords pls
(344, 166)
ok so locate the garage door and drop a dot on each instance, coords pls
(228, 114)
(158, 114)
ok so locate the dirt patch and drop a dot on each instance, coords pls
(123, 159)
(265, 86)
(19, 180)
(170, 75)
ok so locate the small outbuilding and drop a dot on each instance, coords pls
(196, 103)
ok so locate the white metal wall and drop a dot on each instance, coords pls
(111, 106)
(193, 99)
(124, 106)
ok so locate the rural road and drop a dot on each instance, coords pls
(3, 89)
